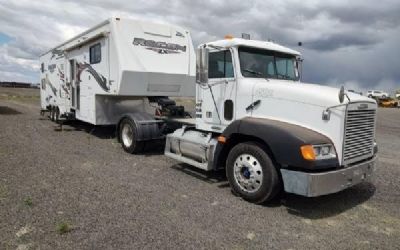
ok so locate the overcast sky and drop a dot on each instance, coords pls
(354, 44)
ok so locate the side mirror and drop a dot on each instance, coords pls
(299, 67)
(202, 65)
(341, 94)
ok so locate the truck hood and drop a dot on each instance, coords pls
(307, 93)
(297, 103)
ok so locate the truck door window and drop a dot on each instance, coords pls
(220, 65)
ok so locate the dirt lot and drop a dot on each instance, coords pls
(79, 181)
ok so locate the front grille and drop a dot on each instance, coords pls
(359, 135)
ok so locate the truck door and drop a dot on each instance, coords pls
(223, 86)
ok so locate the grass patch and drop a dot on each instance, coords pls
(63, 227)
(28, 201)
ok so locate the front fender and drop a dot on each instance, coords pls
(283, 140)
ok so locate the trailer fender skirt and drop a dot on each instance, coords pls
(147, 127)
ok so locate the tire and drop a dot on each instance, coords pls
(251, 173)
(128, 137)
(57, 114)
(52, 113)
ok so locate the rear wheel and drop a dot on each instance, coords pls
(251, 173)
(57, 114)
(52, 113)
(128, 137)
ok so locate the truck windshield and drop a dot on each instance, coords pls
(262, 63)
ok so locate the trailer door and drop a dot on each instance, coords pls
(73, 83)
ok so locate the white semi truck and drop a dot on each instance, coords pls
(253, 117)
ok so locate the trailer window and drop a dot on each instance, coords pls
(95, 53)
(42, 67)
(220, 65)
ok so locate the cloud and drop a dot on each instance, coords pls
(342, 40)
(352, 43)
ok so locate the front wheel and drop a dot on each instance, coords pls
(251, 173)
(128, 137)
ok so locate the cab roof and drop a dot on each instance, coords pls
(235, 42)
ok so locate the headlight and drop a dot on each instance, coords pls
(318, 152)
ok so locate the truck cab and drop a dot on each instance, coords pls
(269, 130)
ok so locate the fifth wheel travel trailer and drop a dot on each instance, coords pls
(113, 67)
(253, 116)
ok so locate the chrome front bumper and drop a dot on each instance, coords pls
(317, 184)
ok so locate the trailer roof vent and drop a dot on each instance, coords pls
(228, 37)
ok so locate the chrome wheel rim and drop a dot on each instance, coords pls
(127, 135)
(248, 173)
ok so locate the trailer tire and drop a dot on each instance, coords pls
(57, 114)
(128, 136)
(52, 113)
(251, 173)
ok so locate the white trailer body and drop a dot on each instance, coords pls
(111, 68)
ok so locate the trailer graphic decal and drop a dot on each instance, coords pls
(57, 53)
(53, 89)
(159, 47)
(65, 88)
(60, 74)
(100, 79)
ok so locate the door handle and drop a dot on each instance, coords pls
(253, 105)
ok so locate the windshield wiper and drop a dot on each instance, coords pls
(254, 72)
(286, 77)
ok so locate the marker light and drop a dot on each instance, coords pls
(221, 139)
(228, 37)
(308, 152)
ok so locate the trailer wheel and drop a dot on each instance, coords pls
(52, 113)
(128, 137)
(57, 114)
(251, 173)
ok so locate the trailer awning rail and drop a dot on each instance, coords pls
(86, 41)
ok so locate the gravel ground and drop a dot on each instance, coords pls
(81, 181)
